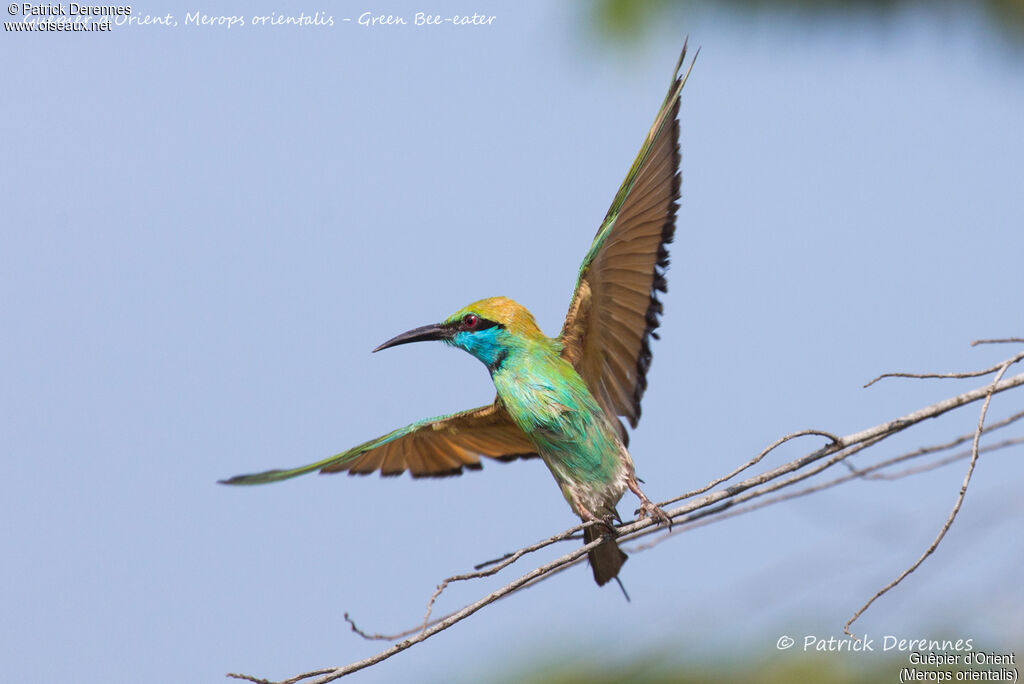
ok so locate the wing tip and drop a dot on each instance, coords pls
(678, 81)
(451, 472)
(254, 478)
(682, 58)
(508, 458)
(659, 282)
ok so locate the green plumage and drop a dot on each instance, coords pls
(557, 398)
(550, 402)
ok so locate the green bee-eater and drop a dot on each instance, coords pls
(558, 398)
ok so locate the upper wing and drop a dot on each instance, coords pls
(615, 308)
(436, 447)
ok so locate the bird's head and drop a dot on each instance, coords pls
(489, 330)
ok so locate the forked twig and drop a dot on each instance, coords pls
(752, 462)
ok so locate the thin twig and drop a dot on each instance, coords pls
(959, 456)
(961, 439)
(1001, 340)
(922, 451)
(752, 462)
(813, 489)
(384, 637)
(481, 566)
(508, 560)
(248, 678)
(496, 566)
(952, 514)
(330, 675)
(292, 680)
(971, 374)
(755, 493)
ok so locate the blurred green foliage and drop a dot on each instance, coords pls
(774, 669)
(631, 18)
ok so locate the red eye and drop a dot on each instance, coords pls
(469, 321)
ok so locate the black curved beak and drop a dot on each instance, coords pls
(435, 331)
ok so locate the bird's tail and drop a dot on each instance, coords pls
(605, 560)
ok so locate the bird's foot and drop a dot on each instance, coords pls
(647, 507)
(654, 512)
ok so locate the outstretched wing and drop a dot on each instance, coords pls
(614, 311)
(436, 447)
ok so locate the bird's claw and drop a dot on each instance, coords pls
(655, 513)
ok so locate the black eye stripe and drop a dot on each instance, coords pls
(481, 323)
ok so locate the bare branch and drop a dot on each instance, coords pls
(718, 504)
(866, 473)
(952, 514)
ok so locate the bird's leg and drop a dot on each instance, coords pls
(647, 507)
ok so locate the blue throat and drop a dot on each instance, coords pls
(491, 345)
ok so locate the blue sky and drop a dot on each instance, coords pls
(206, 231)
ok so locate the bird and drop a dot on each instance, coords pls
(562, 399)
